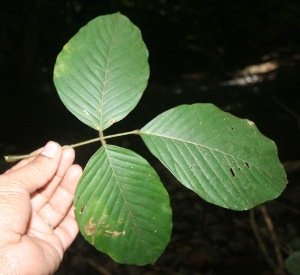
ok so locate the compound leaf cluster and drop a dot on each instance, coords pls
(121, 206)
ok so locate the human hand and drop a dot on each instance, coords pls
(37, 221)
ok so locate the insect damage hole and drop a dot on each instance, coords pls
(247, 164)
(232, 172)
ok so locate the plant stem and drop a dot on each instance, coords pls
(13, 158)
(134, 132)
(274, 238)
(258, 237)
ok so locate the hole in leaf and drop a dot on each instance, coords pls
(231, 128)
(232, 172)
(247, 164)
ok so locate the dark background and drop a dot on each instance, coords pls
(200, 51)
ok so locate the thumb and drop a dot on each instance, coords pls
(40, 170)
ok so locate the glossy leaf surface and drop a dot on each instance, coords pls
(122, 208)
(102, 71)
(222, 158)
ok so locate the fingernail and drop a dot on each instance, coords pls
(50, 150)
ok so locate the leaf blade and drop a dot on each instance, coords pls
(224, 159)
(102, 71)
(122, 208)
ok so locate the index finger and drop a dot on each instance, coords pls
(25, 161)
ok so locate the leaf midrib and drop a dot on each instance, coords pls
(106, 73)
(124, 197)
(203, 146)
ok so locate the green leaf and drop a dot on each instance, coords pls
(122, 208)
(292, 263)
(102, 71)
(224, 159)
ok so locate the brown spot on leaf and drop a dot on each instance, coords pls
(82, 209)
(90, 227)
(114, 234)
(251, 123)
(112, 121)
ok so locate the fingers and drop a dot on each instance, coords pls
(68, 229)
(42, 196)
(39, 171)
(59, 204)
(59, 212)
